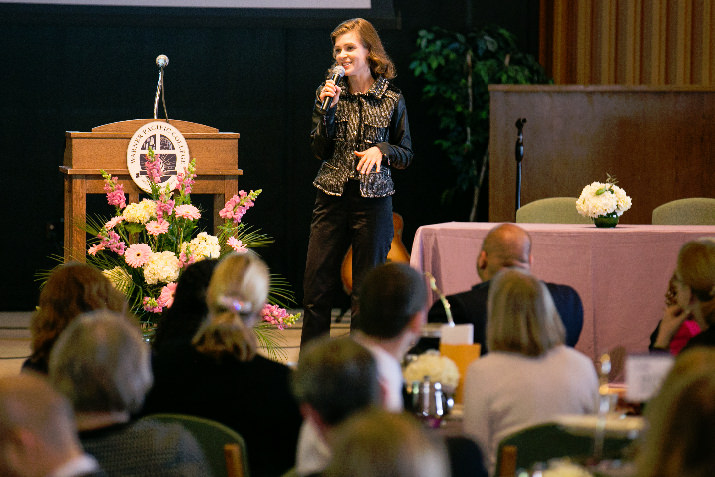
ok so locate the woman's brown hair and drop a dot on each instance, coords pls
(71, 289)
(380, 63)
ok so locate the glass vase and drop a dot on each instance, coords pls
(606, 221)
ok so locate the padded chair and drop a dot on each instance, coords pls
(543, 442)
(224, 448)
(552, 210)
(692, 211)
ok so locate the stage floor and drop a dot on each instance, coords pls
(15, 339)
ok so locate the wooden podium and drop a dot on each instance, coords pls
(105, 147)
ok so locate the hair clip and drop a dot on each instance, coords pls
(234, 304)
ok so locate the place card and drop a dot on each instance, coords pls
(645, 374)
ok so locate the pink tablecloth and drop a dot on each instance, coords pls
(621, 274)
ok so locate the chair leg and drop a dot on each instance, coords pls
(507, 465)
(234, 460)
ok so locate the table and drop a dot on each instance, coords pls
(621, 274)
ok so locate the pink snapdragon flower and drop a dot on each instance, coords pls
(137, 255)
(165, 205)
(114, 242)
(114, 190)
(154, 167)
(277, 316)
(238, 205)
(151, 305)
(186, 179)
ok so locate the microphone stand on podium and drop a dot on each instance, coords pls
(519, 155)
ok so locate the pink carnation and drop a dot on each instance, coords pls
(236, 244)
(187, 211)
(114, 222)
(157, 227)
(95, 248)
(166, 298)
(137, 255)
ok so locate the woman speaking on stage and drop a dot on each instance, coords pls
(360, 133)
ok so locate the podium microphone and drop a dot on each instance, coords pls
(335, 75)
(161, 62)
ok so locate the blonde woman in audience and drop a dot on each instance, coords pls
(71, 289)
(694, 295)
(680, 437)
(378, 443)
(529, 375)
(220, 376)
(101, 363)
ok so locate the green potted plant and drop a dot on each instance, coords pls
(457, 69)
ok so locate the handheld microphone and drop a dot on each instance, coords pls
(335, 75)
(162, 61)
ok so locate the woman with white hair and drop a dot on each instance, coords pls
(101, 363)
(529, 375)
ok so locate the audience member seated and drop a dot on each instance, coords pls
(179, 323)
(101, 363)
(218, 374)
(694, 295)
(71, 289)
(681, 420)
(38, 436)
(529, 375)
(393, 299)
(687, 329)
(334, 379)
(506, 245)
(382, 444)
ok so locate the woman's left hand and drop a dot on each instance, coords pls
(369, 158)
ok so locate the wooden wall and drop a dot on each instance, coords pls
(631, 42)
(657, 141)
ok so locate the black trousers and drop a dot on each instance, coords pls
(339, 222)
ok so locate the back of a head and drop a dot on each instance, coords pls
(189, 309)
(506, 245)
(390, 296)
(336, 377)
(521, 316)
(101, 363)
(378, 443)
(235, 296)
(679, 439)
(71, 289)
(28, 402)
(696, 269)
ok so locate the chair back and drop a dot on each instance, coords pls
(542, 442)
(692, 211)
(552, 210)
(224, 448)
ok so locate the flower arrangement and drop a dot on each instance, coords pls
(439, 369)
(146, 245)
(600, 199)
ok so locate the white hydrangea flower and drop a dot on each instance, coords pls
(163, 267)
(611, 199)
(439, 369)
(141, 212)
(203, 246)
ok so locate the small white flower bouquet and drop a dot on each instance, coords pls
(439, 369)
(600, 199)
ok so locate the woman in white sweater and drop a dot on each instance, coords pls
(529, 375)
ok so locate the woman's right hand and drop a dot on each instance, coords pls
(330, 90)
(673, 317)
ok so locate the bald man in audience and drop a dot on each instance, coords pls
(506, 245)
(38, 437)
